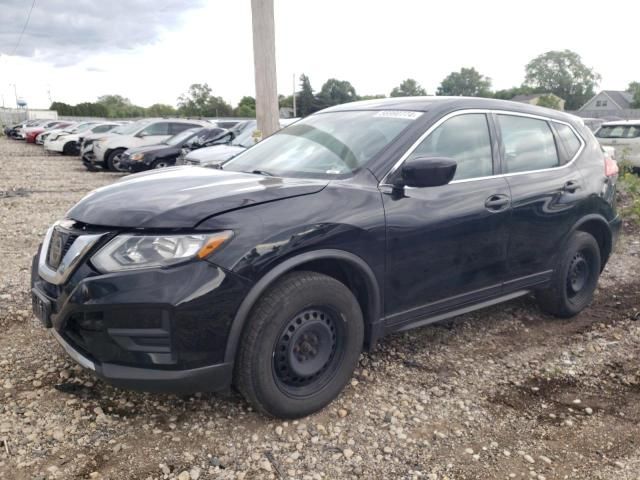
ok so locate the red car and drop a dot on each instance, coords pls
(31, 133)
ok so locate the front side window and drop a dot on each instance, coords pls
(325, 144)
(465, 139)
(528, 144)
(159, 128)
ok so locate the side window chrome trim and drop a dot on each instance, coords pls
(415, 145)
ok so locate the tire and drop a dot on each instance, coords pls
(300, 346)
(575, 279)
(161, 164)
(69, 148)
(113, 160)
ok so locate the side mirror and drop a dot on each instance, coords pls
(426, 172)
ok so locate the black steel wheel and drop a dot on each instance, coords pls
(575, 279)
(300, 346)
(308, 351)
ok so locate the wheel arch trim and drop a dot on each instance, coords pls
(596, 218)
(242, 314)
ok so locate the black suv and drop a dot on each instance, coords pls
(274, 273)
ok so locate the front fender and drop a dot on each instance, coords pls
(242, 315)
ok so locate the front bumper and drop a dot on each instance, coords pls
(54, 145)
(208, 378)
(152, 330)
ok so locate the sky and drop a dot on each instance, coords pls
(150, 51)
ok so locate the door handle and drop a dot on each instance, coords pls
(496, 203)
(571, 186)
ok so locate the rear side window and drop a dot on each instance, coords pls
(528, 144)
(464, 138)
(569, 138)
(102, 128)
(159, 128)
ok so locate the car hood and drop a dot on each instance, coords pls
(214, 153)
(158, 147)
(182, 197)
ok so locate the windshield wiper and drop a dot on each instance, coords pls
(262, 172)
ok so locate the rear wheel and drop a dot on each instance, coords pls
(300, 346)
(113, 160)
(575, 279)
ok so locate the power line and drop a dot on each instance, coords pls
(33, 4)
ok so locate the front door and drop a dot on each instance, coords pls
(446, 245)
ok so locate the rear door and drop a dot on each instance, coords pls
(546, 192)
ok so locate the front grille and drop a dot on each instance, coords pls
(59, 245)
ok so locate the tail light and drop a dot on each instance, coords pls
(610, 167)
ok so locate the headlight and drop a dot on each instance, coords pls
(133, 252)
(136, 156)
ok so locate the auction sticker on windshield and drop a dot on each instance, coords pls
(403, 114)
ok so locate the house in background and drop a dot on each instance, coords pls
(534, 98)
(610, 104)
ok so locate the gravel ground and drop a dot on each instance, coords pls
(506, 392)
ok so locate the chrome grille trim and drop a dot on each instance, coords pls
(70, 260)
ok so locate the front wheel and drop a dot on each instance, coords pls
(300, 346)
(575, 279)
(70, 148)
(113, 160)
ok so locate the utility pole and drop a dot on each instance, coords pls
(264, 62)
(294, 96)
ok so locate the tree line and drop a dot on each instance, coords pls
(561, 73)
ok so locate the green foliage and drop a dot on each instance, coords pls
(564, 74)
(408, 88)
(161, 110)
(629, 187)
(199, 101)
(336, 92)
(509, 93)
(549, 101)
(468, 82)
(246, 108)
(118, 106)
(85, 109)
(371, 97)
(306, 102)
(634, 89)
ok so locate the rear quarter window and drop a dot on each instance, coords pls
(569, 139)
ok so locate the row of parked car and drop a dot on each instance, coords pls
(144, 144)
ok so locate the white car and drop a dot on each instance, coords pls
(216, 155)
(67, 141)
(107, 151)
(624, 137)
(40, 139)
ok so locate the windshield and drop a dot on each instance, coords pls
(325, 144)
(182, 136)
(244, 134)
(619, 131)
